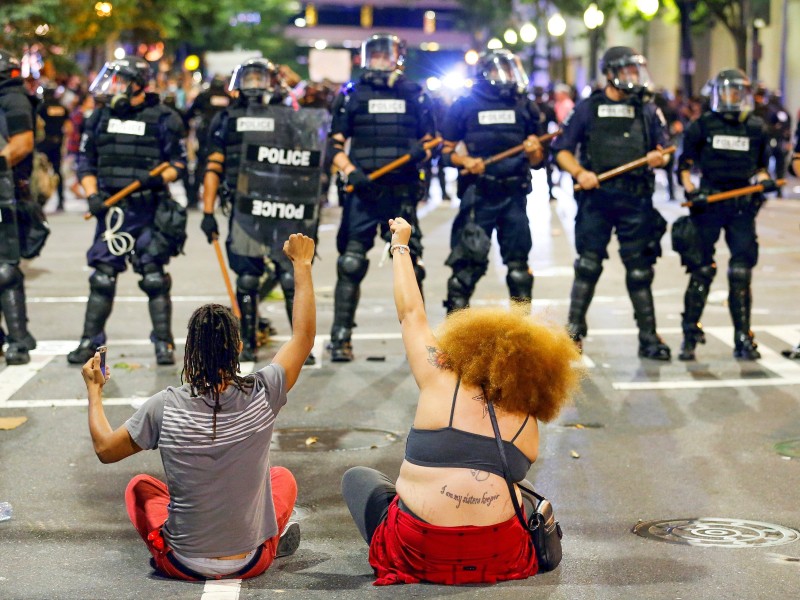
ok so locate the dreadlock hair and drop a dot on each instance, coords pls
(211, 358)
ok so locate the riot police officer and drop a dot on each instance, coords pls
(494, 117)
(131, 134)
(53, 115)
(205, 106)
(16, 165)
(614, 126)
(385, 116)
(729, 145)
(253, 83)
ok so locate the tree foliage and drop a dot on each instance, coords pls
(201, 24)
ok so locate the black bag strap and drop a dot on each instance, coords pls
(506, 470)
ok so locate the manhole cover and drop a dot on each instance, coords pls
(296, 439)
(789, 448)
(725, 533)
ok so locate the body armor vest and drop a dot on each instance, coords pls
(494, 125)
(617, 135)
(385, 125)
(128, 145)
(729, 156)
(53, 115)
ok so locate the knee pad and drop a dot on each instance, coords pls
(588, 267)
(247, 284)
(740, 274)
(10, 275)
(156, 283)
(352, 266)
(519, 280)
(639, 278)
(457, 287)
(705, 274)
(103, 282)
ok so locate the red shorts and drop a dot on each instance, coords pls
(147, 498)
(407, 550)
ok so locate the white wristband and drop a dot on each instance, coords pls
(402, 247)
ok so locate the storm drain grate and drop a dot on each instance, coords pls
(715, 532)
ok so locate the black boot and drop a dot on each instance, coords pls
(20, 341)
(519, 280)
(341, 347)
(102, 287)
(85, 350)
(351, 269)
(587, 272)
(458, 294)
(694, 302)
(740, 301)
(793, 353)
(651, 345)
(248, 325)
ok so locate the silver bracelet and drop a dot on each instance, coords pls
(402, 247)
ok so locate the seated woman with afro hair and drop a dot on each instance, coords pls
(449, 518)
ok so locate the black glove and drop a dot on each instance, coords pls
(209, 227)
(360, 182)
(153, 182)
(698, 198)
(770, 185)
(96, 206)
(418, 152)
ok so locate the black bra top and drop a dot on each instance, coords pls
(451, 447)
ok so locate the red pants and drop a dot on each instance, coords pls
(146, 499)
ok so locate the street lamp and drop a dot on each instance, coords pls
(648, 8)
(471, 57)
(510, 36)
(528, 33)
(593, 18)
(556, 25)
(494, 44)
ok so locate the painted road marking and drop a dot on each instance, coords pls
(221, 589)
(12, 379)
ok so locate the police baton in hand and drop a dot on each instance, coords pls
(129, 189)
(224, 268)
(398, 162)
(512, 151)
(622, 169)
(750, 189)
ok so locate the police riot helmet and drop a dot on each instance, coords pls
(116, 80)
(500, 73)
(382, 57)
(626, 70)
(255, 78)
(9, 66)
(731, 94)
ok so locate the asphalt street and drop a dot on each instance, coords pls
(711, 446)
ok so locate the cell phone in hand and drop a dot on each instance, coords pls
(102, 351)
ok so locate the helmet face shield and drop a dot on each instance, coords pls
(255, 78)
(383, 53)
(731, 96)
(629, 74)
(503, 71)
(110, 81)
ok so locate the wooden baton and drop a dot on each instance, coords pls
(398, 162)
(622, 169)
(129, 189)
(512, 151)
(750, 189)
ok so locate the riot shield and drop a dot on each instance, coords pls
(279, 184)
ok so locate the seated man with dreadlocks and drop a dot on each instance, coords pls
(222, 509)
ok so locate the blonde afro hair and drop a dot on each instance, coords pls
(524, 363)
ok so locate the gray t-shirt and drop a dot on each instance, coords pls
(220, 490)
